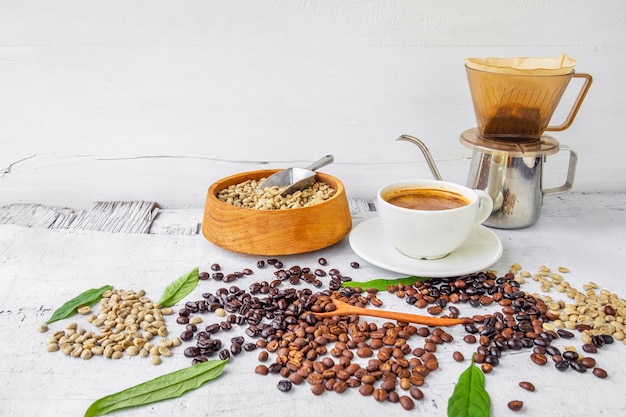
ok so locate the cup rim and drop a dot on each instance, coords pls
(429, 183)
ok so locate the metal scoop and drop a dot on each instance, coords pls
(295, 178)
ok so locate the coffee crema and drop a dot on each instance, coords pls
(426, 199)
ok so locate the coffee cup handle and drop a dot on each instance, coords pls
(485, 207)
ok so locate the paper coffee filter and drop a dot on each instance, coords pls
(559, 65)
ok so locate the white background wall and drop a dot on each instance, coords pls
(155, 100)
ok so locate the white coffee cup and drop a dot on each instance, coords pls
(427, 233)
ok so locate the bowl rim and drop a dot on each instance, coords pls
(234, 179)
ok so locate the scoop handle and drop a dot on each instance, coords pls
(322, 162)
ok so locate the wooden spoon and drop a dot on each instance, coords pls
(345, 309)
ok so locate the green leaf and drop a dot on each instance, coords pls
(180, 288)
(85, 298)
(470, 399)
(164, 387)
(381, 283)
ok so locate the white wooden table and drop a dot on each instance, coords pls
(40, 269)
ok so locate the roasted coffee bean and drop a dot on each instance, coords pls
(570, 355)
(186, 335)
(578, 366)
(588, 362)
(380, 395)
(599, 372)
(217, 276)
(590, 348)
(407, 402)
(317, 389)
(458, 356)
(416, 393)
(393, 397)
(366, 389)
(515, 405)
(552, 350)
(469, 338)
(538, 358)
(355, 265)
(261, 369)
(215, 267)
(260, 264)
(191, 352)
(598, 341)
(562, 365)
(213, 328)
(322, 261)
(528, 386)
(284, 385)
(565, 334)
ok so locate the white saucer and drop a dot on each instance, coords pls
(481, 250)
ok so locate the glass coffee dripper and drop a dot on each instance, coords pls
(520, 105)
(514, 101)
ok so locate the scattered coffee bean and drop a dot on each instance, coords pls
(458, 356)
(538, 358)
(599, 372)
(284, 385)
(515, 405)
(407, 402)
(528, 386)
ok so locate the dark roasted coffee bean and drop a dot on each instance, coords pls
(216, 267)
(562, 365)
(515, 405)
(322, 261)
(191, 352)
(570, 355)
(565, 334)
(598, 341)
(186, 335)
(578, 366)
(284, 385)
(217, 276)
(355, 265)
(224, 354)
(552, 350)
(212, 328)
(589, 348)
(260, 264)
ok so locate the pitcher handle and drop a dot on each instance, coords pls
(569, 181)
(579, 100)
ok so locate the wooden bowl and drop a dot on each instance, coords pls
(275, 232)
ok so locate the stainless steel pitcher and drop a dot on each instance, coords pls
(514, 180)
